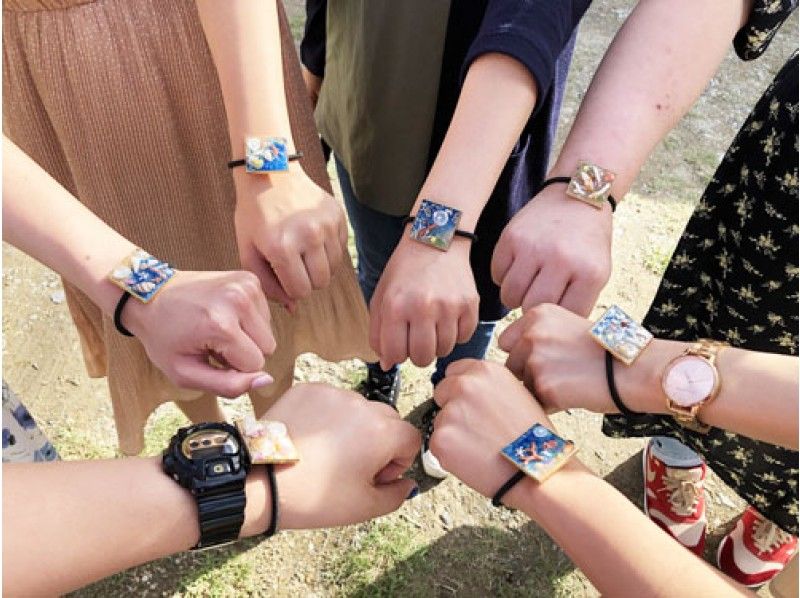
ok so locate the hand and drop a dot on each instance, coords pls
(483, 409)
(290, 232)
(352, 456)
(551, 351)
(201, 314)
(313, 85)
(426, 301)
(555, 250)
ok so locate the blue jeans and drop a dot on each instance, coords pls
(377, 234)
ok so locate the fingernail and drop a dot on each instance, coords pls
(262, 380)
(414, 492)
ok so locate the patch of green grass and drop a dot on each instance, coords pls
(220, 576)
(385, 546)
(161, 428)
(656, 260)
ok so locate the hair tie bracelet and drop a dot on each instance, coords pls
(118, 315)
(436, 224)
(515, 479)
(591, 184)
(612, 388)
(263, 155)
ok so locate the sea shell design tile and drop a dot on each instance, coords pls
(266, 154)
(141, 275)
(621, 335)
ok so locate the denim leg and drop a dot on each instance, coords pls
(377, 234)
(474, 348)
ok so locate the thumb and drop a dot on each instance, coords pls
(389, 497)
(194, 371)
(511, 335)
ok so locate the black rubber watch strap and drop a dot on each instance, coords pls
(221, 516)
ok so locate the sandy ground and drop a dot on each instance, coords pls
(449, 541)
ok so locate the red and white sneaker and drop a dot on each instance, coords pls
(755, 551)
(674, 497)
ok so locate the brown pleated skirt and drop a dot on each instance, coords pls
(119, 101)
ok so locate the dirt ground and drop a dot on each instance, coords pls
(449, 541)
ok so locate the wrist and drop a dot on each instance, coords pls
(258, 509)
(533, 498)
(639, 384)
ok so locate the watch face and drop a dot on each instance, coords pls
(689, 380)
(203, 444)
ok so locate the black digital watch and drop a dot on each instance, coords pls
(212, 462)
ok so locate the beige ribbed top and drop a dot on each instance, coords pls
(120, 102)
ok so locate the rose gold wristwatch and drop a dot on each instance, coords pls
(690, 381)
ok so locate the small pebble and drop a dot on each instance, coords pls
(447, 520)
(57, 297)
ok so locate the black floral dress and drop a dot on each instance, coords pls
(734, 275)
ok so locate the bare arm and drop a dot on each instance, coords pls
(585, 515)
(557, 249)
(178, 327)
(290, 233)
(445, 298)
(550, 349)
(82, 521)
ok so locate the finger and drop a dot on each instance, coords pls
(467, 324)
(293, 276)
(270, 284)
(511, 335)
(422, 342)
(238, 350)
(375, 320)
(517, 359)
(517, 281)
(317, 267)
(402, 443)
(255, 323)
(394, 342)
(335, 252)
(194, 371)
(548, 287)
(446, 336)
(580, 296)
(462, 366)
(389, 497)
(502, 258)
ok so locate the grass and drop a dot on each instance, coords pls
(656, 260)
(386, 545)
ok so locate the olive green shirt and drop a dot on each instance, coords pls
(378, 99)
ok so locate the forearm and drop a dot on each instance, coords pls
(620, 550)
(658, 64)
(496, 101)
(757, 396)
(45, 221)
(81, 521)
(244, 39)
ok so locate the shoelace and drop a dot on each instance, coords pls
(685, 491)
(767, 536)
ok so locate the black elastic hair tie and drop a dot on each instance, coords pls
(241, 162)
(118, 315)
(612, 388)
(273, 493)
(566, 179)
(510, 483)
(458, 233)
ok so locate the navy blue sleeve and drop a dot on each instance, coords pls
(532, 31)
(312, 46)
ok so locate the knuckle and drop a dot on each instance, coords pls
(237, 296)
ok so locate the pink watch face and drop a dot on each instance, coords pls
(689, 380)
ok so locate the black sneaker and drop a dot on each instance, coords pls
(383, 387)
(430, 463)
